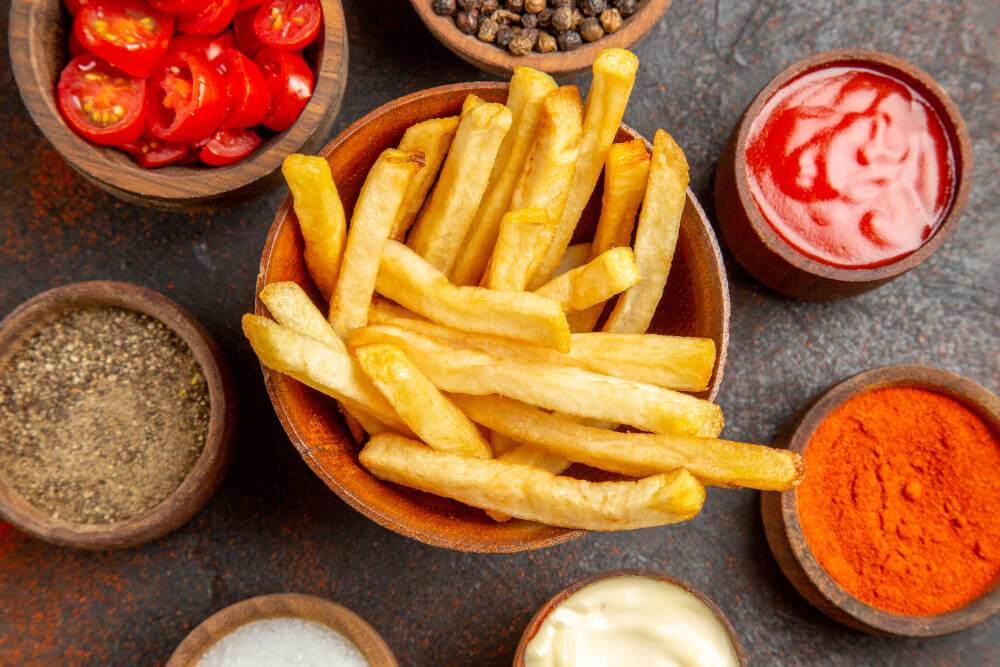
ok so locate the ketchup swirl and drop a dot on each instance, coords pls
(850, 166)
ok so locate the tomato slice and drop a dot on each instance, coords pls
(288, 24)
(206, 46)
(228, 146)
(249, 96)
(290, 81)
(101, 102)
(150, 152)
(177, 7)
(187, 99)
(211, 18)
(248, 4)
(129, 34)
(246, 37)
(73, 6)
(76, 49)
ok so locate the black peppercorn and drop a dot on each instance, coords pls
(534, 6)
(505, 16)
(545, 18)
(611, 20)
(504, 35)
(564, 3)
(443, 7)
(546, 43)
(532, 35)
(468, 4)
(591, 29)
(625, 7)
(593, 7)
(467, 20)
(487, 29)
(515, 5)
(488, 6)
(562, 19)
(529, 20)
(577, 19)
(519, 45)
(569, 40)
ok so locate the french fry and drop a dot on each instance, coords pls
(655, 237)
(445, 219)
(410, 281)
(375, 212)
(470, 102)
(575, 255)
(679, 362)
(532, 494)
(432, 138)
(291, 307)
(610, 273)
(614, 76)
(321, 217)
(431, 415)
(524, 237)
(563, 388)
(528, 89)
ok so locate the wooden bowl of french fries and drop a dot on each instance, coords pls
(461, 337)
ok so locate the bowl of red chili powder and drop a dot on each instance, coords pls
(848, 169)
(895, 531)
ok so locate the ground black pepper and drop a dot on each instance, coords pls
(103, 413)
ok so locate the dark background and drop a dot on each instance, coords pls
(274, 527)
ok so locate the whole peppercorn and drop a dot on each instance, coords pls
(468, 4)
(532, 35)
(505, 16)
(564, 3)
(443, 7)
(577, 19)
(515, 5)
(504, 35)
(546, 43)
(611, 20)
(467, 20)
(487, 29)
(529, 20)
(562, 19)
(591, 29)
(626, 7)
(488, 6)
(517, 30)
(519, 45)
(569, 40)
(593, 7)
(534, 6)
(545, 18)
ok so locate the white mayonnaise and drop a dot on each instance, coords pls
(631, 621)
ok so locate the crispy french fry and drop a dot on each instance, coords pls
(354, 426)
(433, 139)
(595, 282)
(445, 220)
(575, 256)
(407, 279)
(430, 414)
(375, 212)
(528, 89)
(655, 237)
(470, 102)
(679, 362)
(524, 237)
(532, 494)
(291, 307)
(564, 388)
(614, 76)
(321, 217)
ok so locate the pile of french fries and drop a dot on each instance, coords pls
(467, 353)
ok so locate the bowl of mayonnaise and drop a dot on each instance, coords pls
(629, 618)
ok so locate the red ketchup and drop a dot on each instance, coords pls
(850, 166)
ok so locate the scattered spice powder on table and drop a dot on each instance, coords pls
(103, 413)
(900, 504)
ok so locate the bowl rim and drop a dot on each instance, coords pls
(783, 527)
(947, 112)
(531, 629)
(204, 478)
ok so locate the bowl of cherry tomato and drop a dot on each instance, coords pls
(181, 104)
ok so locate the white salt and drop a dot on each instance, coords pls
(283, 642)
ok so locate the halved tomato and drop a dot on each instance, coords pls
(129, 34)
(187, 99)
(177, 7)
(228, 146)
(290, 81)
(248, 4)
(211, 18)
(151, 152)
(288, 24)
(206, 46)
(73, 6)
(246, 37)
(76, 49)
(101, 102)
(249, 96)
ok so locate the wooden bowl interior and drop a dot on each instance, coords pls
(698, 305)
(788, 541)
(209, 469)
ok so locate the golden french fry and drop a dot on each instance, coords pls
(595, 282)
(525, 455)
(321, 217)
(678, 362)
(575, 256)
(431, 415)
(470, 102)
(410, 281)
(432, 138)
(614, 76)
(626, 172)
(564, 388)
(354, 426)
(445, 220)
(532, 494)
(528, 89)
(291, 307)
(655, 237)
(375, 212)
(524, 237)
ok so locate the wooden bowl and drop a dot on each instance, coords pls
(210, 467)
(784, 530)
(560, 597)
(698, 306)
(767, 256)
(561, 64)
(38, 32)
(286, 605)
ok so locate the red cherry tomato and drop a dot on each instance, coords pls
(290, 81)
(211, 18)
(249, 96)
(248, 4)
(129, 34)
(246, 37)
(150, 152)
(177, 7)
(228, 146)
(101, 102)
(206, 46)
(288, 24)
(187, 99)
(76, 49)
(74, 6)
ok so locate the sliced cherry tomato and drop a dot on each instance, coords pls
(150, 152)
(290, 81)
(74, 6)
(206, 46)
(187, 99)
(101, 102)
(196, 146)
(249, 96)
(246, 37)
(129, 34)
(288, 24)
(211, 18)
(76, 49)
(178, 7)
(229, 146)
(248, 4)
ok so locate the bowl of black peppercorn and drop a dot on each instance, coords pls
(561, 37)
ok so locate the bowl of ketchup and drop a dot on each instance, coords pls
(848, 169)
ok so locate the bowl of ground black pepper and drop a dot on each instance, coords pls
(895, 531)
(117, 416)
(561, 37)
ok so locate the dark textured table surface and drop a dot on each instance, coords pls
(274, 527)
